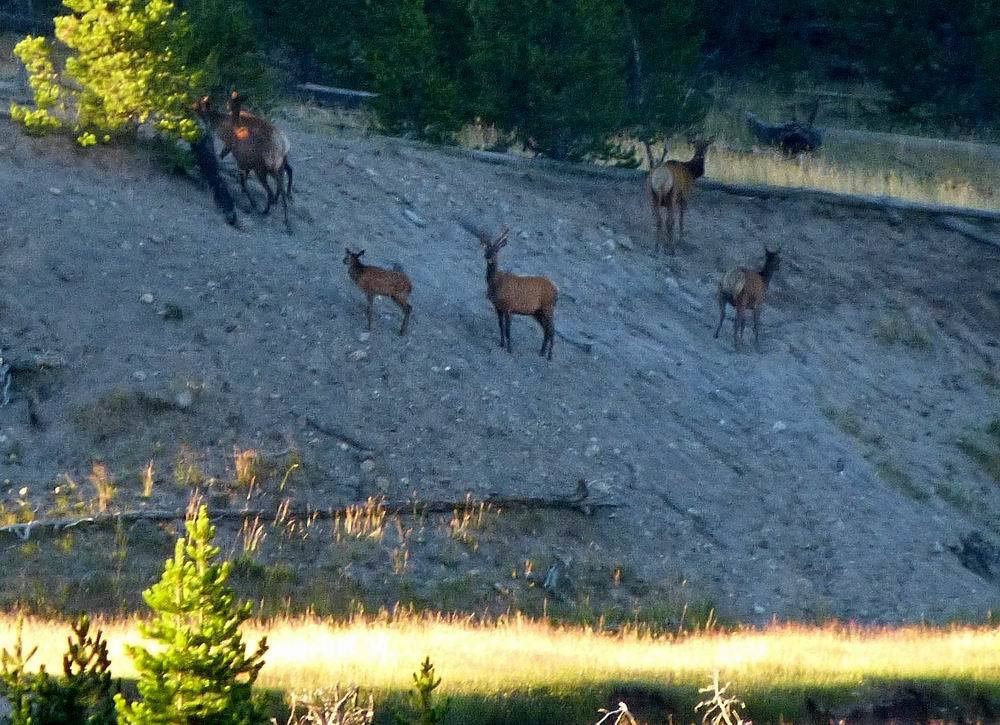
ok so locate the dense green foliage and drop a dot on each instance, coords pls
(562, 77)
(201, 672)
(126, 66)
(130, 62)
(82, 696)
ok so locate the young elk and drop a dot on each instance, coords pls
(257, 146)
(745, 289)
(670, 184)
(375, 281)
(514, 295)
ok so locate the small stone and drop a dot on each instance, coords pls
(55, 190)
(146, 298)
(359, 355)
(184, 399)
(592, 450)
(779, 426)
(351, 161)
(757, 609)
(937, 548)
(367, 465)
(139, 375)
(382, 483)
(626, 243)
(672, 283)
(364, 337)
(414, 217)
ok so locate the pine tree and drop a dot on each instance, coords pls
(665, 96)
(202, 672)
(413, 93)
(551, 71)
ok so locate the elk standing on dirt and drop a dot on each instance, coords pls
(375, 281)
(670, 184)
(745, 289)
(257, 146)
(514, 295)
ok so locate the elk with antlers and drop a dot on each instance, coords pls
(511, 295)
(670, 185)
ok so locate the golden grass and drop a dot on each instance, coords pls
(380, 653)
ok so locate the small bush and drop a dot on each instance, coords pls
(428, 710)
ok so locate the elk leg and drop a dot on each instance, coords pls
(506, 325)
(407, 308)
(262, 178)
(737, 328)
(502, 335)
(722, 317)
(243, 185)
(288, 170)
(657, 219)
(680, 219)
(284, 203)
(550, 332)
(670, 227)
(369, 310)
(756, 327)
(542, 320)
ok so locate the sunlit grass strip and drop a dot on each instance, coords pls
(516, 652)
(815, 173)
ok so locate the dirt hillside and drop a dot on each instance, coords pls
(843, 472)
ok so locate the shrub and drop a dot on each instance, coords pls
(83, 696)
(202, 671)
(429, 711)
(130, 62)
(125, 67)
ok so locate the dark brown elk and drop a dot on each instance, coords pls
(257, 145)
(375, 281)
(670, 185)
(745, 289)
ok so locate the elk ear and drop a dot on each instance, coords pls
(361, 253)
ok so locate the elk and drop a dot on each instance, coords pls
(257, 146)
(375, 281)
(745, 289)
(514, 295)
(670, 184)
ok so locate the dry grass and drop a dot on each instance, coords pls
(486, 660)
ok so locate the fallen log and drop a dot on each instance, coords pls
(583, 505)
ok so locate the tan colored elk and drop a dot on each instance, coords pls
(670, 185)
(745, 289)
